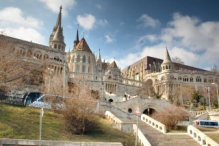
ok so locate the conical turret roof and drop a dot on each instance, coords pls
(58, 35)
(82, 46)
(59, 19)
(166, 57)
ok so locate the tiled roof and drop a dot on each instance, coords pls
(83, 46)
(114, 65)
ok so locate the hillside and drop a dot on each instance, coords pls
(23, 123)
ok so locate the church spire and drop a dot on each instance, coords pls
(166, 57)
(57, 37)
(59, 19)
(76, 38)
(99, 56)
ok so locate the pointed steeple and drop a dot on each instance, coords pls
(76, 38)
(113, 64)
(59, 19)
(166, 57)
(56, 39)
(99, 56)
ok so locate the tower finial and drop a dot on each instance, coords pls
(60, 8)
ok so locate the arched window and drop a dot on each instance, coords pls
(179, 78)
(84, 59)
(55, 46)
(205, 80)
(198, 79)
(166, 67)
(185, 79)
(191, 79)
(59, 47)
(216, 80)
(78, 58)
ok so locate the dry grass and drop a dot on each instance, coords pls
(23, 123)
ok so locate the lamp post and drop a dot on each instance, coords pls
(217, 93)
(41, 117)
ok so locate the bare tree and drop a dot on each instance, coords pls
(16, 69)
(215, 68)
(171, 115)
(177, 60)
(80, 110)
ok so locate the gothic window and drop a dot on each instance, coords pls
(179, 78)
(169, 67)
(185, 79)
(166, 67)
(78, 58)
(191, 79)
(198, 79)
(55, 46)
(84, 59)
(205, 80)
(83, 68)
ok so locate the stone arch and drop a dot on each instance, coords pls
(38, 54)
(153, 108)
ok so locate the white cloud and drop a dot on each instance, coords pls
(109, 39)
(98, 6)
(194, 41)
(87, 21)
(54, 5)
(148, 21)
(27, 34)
(13, 16)
(16, 25)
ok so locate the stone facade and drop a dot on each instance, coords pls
(111, 82)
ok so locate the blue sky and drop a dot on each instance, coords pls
(125, 29)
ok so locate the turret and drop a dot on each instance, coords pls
(57, 38)
(167, 64)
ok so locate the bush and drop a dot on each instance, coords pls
(80, 116)
(171, 116)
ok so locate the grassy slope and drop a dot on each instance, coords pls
(23, 123)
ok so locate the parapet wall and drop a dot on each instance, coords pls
(21, 142)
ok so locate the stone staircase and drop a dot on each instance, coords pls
(157, 138)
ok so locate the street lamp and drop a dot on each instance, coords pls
(217, 93)
(41, 117)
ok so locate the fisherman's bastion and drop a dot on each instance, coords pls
(113, 84)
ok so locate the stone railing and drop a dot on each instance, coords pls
(152, 122)
(197, 113)
(127, 127)
(117, 123)
(200, 137)
(141, 138)
(27, 142)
